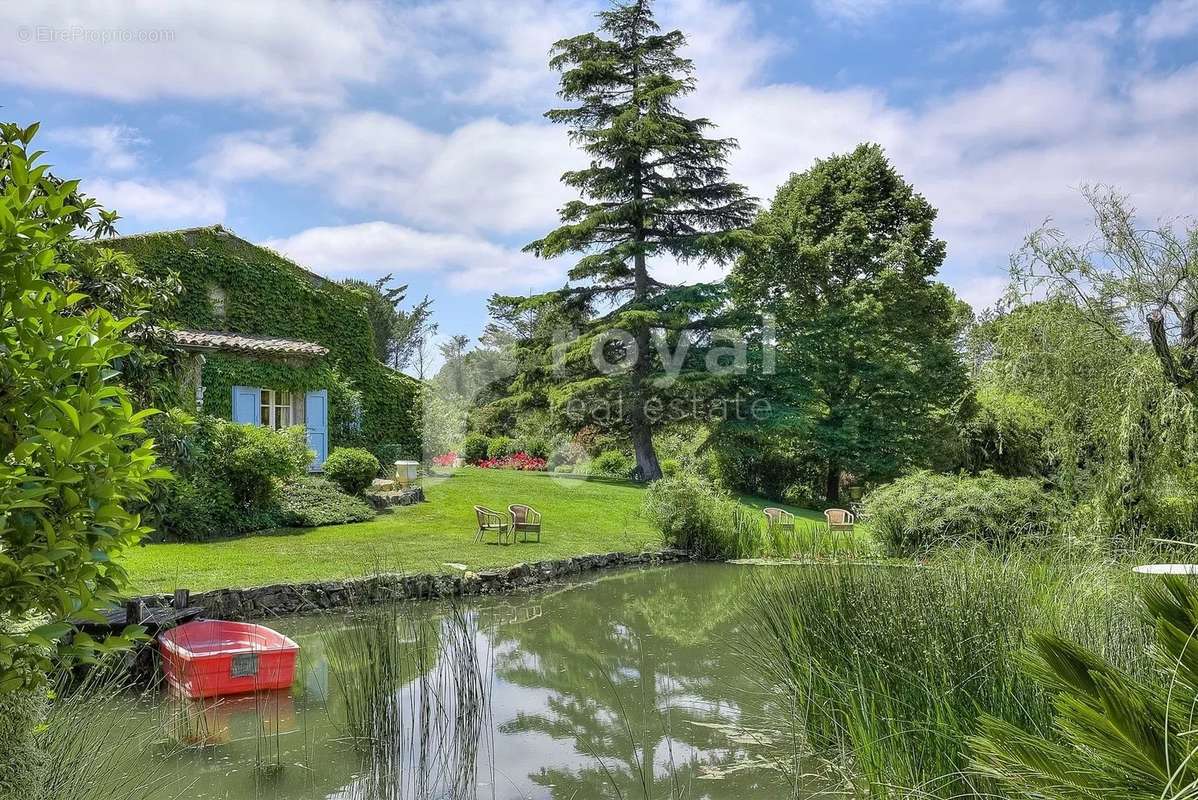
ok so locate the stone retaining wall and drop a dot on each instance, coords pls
(301, 598)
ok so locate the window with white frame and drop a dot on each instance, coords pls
(276, 408)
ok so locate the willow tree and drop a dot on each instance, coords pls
(656, 187)
(1130, 293)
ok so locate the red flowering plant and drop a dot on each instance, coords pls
(521, 461)
(444, 460)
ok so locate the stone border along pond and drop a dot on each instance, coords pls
(307, 598)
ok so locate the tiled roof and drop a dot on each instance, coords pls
(245, 343)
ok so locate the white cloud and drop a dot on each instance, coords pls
(982, 291)
(1169, 19)
(274, 52)
(485, 175)
(996, 159)
(177, 202)
(112, 148)
(376, 248)
(492, 52)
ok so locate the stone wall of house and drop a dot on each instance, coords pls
(304, 598)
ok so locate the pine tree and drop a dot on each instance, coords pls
(656, 186)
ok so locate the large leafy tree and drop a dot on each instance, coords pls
(656, 186)
(844, 260)
(73, 452)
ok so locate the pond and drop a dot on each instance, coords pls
(623, 685)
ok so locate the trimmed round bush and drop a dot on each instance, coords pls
(500, 446)
(351, 468)
(924, 511)
(473, 449)
(612, 464)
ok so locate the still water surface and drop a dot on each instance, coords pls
(621, 686)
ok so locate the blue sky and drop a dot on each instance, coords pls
(365, 137)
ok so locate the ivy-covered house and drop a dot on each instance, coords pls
(266, 342)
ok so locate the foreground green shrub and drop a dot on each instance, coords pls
(310, 502)
(74, 456)
(612, 464)
(500, 446)
(923, 511)
(227, 475)
(351, 468)
(694, 514)
(474, 448)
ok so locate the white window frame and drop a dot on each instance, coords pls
(277, 405)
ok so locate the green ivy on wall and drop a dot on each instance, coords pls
(267, 294)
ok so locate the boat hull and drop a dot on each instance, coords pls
(212, 658)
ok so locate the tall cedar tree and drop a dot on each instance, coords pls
(868, 366)
(656, 186)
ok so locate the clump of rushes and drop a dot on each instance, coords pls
(415, 698)
(882, 671)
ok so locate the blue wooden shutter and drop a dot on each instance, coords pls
(247, 402)
(316, 419)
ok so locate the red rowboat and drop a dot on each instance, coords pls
(208, 658)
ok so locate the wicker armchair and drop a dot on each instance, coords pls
(493, 522)
(839, 520)
(525, 520)
(780, 518)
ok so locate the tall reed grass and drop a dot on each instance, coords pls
(84, 760)
(415, 699)
(884, 670)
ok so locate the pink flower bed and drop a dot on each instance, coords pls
(444, 460)
(522, 461)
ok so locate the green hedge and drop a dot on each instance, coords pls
(474, 448)
(500, 446)
(612, 464)
(227, 476)
(924, 511)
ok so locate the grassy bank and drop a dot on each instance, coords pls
(580, 516)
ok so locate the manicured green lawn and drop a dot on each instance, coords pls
(580, 516)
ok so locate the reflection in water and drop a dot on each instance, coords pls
(414, 699)
(639, 678)
(620, 687)
(221, 720)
